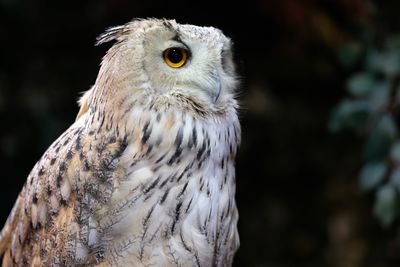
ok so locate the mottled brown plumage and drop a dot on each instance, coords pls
(145, 176)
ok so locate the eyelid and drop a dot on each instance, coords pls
(179, 44)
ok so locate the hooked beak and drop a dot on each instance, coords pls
(217, 91)
(214, 86)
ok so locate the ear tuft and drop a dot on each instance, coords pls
(111, 34)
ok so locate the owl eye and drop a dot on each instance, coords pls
(175, 57)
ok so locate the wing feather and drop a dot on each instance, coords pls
(43, 207)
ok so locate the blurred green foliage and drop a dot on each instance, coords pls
(370, 109)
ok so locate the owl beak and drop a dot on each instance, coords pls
(214, 87)
(217, 89)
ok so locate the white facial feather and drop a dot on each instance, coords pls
(207, 78)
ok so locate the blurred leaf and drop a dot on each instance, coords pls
(395, 152)
(361, 84)
(393, 42)
(395, 179)
(375, 61)
(349, 54)
(385, 204)
(349, 114)
(392, 63)
(379, 97)
(377, 146)
(372, 174)
(380, 139)
(373, 84)
(387, 62)
(387, 126)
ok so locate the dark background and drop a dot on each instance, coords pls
(297, 189)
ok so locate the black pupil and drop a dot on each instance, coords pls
(175, 55)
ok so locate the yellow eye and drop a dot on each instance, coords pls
(175, 57)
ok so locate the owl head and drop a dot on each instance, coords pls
(165, 64)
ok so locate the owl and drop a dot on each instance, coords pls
(145, 176)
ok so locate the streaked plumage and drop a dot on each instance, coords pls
(145, 176)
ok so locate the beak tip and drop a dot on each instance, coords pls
(218, 91)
